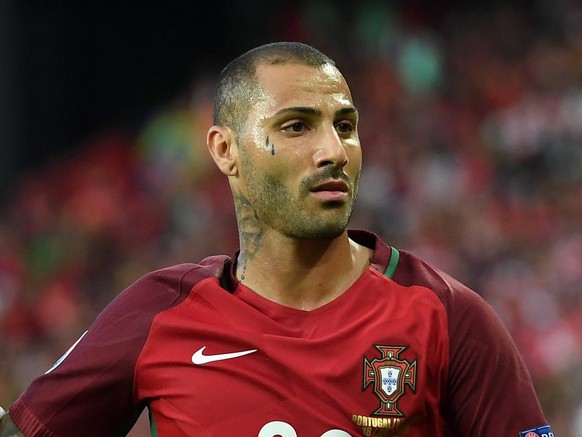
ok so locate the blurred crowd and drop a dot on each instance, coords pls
(471, 128)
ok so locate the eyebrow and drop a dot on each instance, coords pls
(346, 111)
(312, 111)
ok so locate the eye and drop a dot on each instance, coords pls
(345, 127)
(295, 127)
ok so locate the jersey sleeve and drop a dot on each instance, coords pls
(90, 391)
(490, 392)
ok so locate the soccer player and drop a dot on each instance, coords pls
(311, 329)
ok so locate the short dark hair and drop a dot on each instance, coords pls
(237, 87)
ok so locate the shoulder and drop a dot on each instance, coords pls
(126, 320)
(184, 276)
(474, 327)
(467, 312)
(106, 357)
(486, 372)
(164, 288)
(408, 270)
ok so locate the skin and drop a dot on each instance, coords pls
(303, 132)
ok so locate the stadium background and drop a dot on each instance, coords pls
(471, 129)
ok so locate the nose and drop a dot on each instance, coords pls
(330, 150)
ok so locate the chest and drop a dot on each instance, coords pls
(217, 364)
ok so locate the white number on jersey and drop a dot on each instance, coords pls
(283, 429)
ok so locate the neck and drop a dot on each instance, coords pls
(303, 274)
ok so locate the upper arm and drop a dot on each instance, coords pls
(95, 378)
(487, 373)
(8, 428)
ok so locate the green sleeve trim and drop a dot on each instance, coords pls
(393, 264)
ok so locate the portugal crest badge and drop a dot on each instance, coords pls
(389, 376)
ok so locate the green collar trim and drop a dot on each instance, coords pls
(393, 264)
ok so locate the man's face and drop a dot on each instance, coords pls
(300, 155)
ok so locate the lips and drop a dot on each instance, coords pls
(331, 192)
(334, 185)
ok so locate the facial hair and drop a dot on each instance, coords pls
(278, 207)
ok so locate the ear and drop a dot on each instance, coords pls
(222, 145)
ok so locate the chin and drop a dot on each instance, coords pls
(325, 232)
(321, 225)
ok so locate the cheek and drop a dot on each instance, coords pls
(354, 160)
(267, 170)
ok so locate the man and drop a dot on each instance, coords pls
(310, 330)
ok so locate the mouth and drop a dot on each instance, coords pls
(335, 190)
(333, 185)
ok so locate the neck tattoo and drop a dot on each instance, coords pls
(242, 262)
(249, 231)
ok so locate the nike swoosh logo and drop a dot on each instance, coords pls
(199, 358)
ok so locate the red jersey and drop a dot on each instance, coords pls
(405, 351)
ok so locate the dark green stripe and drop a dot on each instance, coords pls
(153, 427)
(393, 264)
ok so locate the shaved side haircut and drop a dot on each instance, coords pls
(238, 89)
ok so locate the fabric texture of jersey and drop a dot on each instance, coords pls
(412, 353)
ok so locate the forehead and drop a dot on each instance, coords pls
(290, 85)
